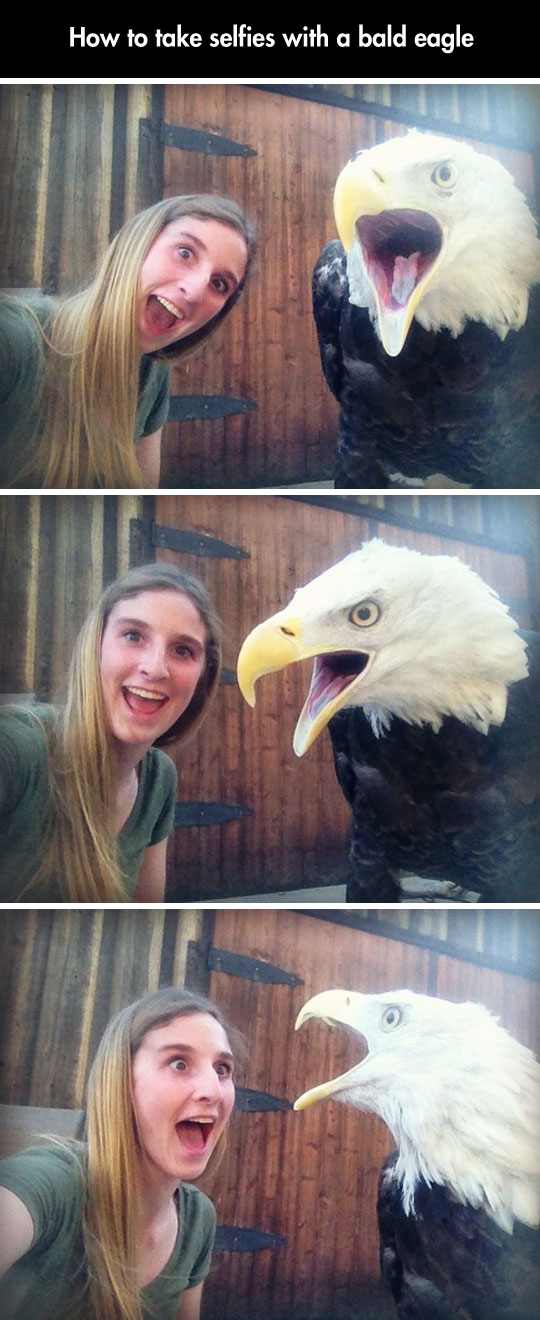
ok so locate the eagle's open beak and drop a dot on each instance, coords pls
(401, 247)
(278, 642)
(332, 1006)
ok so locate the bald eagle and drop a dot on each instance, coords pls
(433, 701)
(459, 1199)
(428, 320)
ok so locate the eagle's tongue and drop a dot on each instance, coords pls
(404, 278)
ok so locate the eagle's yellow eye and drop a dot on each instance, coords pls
(445, 174)
(364, 614)
(391, 1017)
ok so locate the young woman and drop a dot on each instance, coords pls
(84, 380)
(86, 795)
(108, 1229)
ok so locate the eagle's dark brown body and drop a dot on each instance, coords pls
(457, 805)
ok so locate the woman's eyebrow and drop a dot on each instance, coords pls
(126, 618)
(190, 1049)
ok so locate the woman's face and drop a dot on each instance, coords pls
(183, 1094)
(152, 657)
(187, 276)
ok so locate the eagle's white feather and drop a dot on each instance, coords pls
(460, 1095)
(444, 643)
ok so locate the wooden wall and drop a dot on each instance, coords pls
(65, 973)
(307, 1179)
(80, 159)
(57, 554)
(73, 158)
(251, 817)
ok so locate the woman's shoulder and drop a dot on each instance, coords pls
(196, 1206)
(45, 1171)
(22, 319)
(154, 390)
(23, 751)
(25, 726)
(160, 771)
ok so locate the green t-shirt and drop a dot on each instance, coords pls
(20, 364)
(49, 1181)
(24, 795)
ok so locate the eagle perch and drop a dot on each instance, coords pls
(459, 1198)
(428, 318)
(432, 697)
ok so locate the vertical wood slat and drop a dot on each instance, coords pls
(71, 154)
(58, 552)
(64, 974)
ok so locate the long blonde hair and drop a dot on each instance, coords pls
(112, 1168)
(88, 376)
(79, 850)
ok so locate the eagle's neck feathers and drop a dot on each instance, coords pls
(472, 1125)
(475, 701)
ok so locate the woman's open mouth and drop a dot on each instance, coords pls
(195, 1133)
(162, 316)
(145, 703)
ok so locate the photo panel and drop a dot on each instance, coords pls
(296, 1191)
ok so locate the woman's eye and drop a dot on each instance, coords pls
(132, 635)
(220, 285)
(185, 253)
(224, 1069)
(179, 1065)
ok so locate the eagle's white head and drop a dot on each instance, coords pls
(459, 1094)
(438, 231)
(398, 633)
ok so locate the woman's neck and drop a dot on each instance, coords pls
(158, 1225)
(124, 784)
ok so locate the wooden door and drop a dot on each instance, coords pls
(308, 1180)
(252, 818)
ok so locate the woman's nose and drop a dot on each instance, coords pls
(207, 1084)
(194, 282)
(154, 662)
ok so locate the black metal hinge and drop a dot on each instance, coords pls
(252, 969)
(197, 407)
(195, 139)
(195, 543)
(245, 1239)
(258, 1102)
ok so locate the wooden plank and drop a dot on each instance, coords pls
(64, 973)
(23, 119)
(19, 530)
